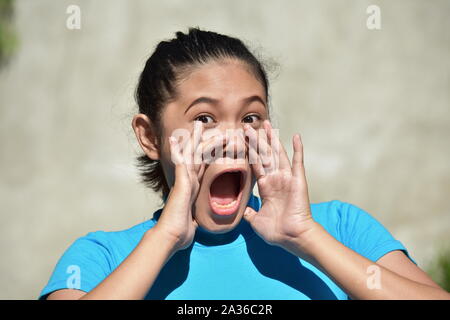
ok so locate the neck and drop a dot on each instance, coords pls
(207, 238)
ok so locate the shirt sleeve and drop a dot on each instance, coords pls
(82, 266)
(364, 234)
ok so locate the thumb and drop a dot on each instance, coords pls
(249, 214)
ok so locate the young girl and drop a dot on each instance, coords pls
(214, 239)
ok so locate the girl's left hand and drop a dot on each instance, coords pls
(285, 213)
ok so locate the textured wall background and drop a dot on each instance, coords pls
(373, 108)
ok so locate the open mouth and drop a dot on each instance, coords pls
(225, 192)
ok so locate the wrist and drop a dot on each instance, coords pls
(180, 196)
(165, 242)
(304, 245)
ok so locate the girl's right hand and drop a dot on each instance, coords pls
(176, 221)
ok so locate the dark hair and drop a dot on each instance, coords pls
(169, 63)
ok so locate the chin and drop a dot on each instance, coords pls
(223, 197)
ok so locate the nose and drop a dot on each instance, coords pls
(229, 143)
(234, 144)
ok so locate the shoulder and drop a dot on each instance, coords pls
(342, 219)
(106, 248)
(330, 213)
(115, 239)
(334, 207)
(356, 228)
(337, 209)
(92, 257)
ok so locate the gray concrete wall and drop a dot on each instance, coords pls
(372, 107)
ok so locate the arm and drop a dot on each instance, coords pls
(398, 277)
(134, 276)
(285, 220)
(175, 230)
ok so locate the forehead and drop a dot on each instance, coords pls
(227, 79)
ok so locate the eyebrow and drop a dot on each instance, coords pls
(213, 101)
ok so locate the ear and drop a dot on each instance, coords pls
(145, 133)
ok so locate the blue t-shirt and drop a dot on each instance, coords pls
(237, 265)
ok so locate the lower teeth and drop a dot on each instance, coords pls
(232, 203)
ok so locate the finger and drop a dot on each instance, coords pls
(189, 151)
(256, 163)
(298, 169)
(257, 221)
(197, 137)
(177, 159)
(249, 215)
(201, 171)
(253, 156)
(175, 153)
(274, 144)
(280, 154)
(197, 133)
(265, 151)
(200, 163)
(268, 129)
(257, 140)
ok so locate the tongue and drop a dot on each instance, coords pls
(225, 188)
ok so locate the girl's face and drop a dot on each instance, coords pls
(224, 96)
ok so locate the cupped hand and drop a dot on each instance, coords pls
(176, 220)
(285, 213)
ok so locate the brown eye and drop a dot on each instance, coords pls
(251, 118)
(204, 118)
